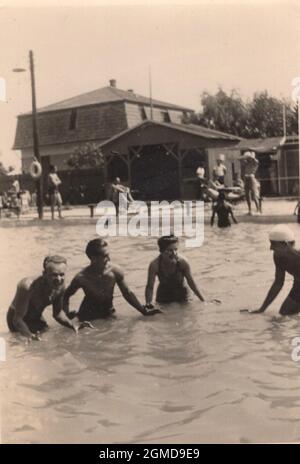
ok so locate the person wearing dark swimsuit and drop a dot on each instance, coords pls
(98, 282)
(222, 209)
(171, 270)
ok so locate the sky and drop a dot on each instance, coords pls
(191, 46)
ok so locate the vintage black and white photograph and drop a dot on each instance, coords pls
(149, 222)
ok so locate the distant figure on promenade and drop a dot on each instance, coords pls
(53, 189)
(286, 259)
(118, 189)
(220, 170)
(252, 186)
(98, 282)
(223, 210)
(34, 294)
(297, 211)
(16, 185)
(200, 173)
(171, 270)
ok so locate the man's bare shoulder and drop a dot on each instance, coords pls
(154, 263)
(183, 261)
(116, 269)
(26, 283)
(82, 273)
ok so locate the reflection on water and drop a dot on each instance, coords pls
(193, 374)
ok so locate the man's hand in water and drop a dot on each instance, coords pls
(82, 325)
(251, 311)
(35, 337)
(212, 301)
(149, 310)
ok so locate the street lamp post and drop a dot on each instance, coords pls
(35, 134)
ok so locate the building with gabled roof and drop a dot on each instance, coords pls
(113, 117)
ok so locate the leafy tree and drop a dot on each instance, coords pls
(88, 155)
(262, 116)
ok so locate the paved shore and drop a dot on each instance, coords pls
(273, 211)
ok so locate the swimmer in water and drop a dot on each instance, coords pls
(33, 295)
(171, 270)
(223, 211)
(286, 259)
(98, 281)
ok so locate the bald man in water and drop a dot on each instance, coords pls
(34, 294)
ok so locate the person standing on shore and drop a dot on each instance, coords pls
(220, 170)
(53, 190)
(252, 186)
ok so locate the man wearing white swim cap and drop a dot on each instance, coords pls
(286, 259)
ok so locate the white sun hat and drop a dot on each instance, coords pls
(221, 157)
(249, 154)
(281, 233)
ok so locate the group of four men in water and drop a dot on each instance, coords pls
(98, 280)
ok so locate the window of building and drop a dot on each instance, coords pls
(165, 116)
(73, 119)
(143, 113)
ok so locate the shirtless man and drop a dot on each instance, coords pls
(286, 259)
(251, 183)
(33, 295)
(53, 190)
(118, 190)
(98, 282)
(171, 270)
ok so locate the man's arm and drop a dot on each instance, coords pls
(150, 283)
(60, 316)
(232, 215)
(130, 296)
(213, 217)
(189, 278)
(70, 290)
(21, 303)
(274, 290)
(119, 188)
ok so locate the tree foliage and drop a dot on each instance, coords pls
(260, 117)
(88, 155)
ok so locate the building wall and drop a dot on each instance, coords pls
(93, 122)
(152, 135)
(198, 148)
(135, 116)
(58, 155)
(289, 171)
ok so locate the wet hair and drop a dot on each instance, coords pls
(56, 259)
(95, 247)
(165, 241)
